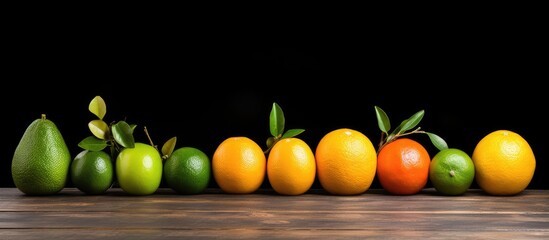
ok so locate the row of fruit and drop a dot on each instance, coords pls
(345, 161)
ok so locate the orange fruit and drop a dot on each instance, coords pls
(346, 162)
(291, 167)
(239, 165)
(403, 167)
(504, 163)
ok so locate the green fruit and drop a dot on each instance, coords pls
(92, 172)
(187, 171)
(40, 164)
(139, 169)
(451, 172)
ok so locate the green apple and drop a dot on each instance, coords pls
(139, 169)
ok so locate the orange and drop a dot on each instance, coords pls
(403, 167)
(291, 167)
(239, 165)
(346, 162)
(504, 163)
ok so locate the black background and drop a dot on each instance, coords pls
(205, 86)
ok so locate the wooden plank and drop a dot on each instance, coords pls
(265, 214)
(256, 219)
(83, 234)
(473, 202)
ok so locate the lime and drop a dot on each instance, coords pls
(187, 171)
(452, 171)
(91, 172)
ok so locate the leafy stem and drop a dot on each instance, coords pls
(404, 129)
(116, 135)
(277, 124)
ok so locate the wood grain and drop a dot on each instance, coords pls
(267, 215)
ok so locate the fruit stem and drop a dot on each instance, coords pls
(43, 116)
(384, 141)
(275, 140)
(380, 145)
(452, 173)
(149, 137)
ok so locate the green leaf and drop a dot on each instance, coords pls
(169, 146)
(133, 126)
(292, 133)
(398, 128)
(98, 107)
(277, 120)
(412, 122)
(99, 128)
(123, 134)
(390, 137)
(270, 142)
(93, 144)
(437, 141)
(382, 120)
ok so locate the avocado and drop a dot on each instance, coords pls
(40, 164)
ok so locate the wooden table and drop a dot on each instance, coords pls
(267, 215)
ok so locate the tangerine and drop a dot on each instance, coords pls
(403, 167)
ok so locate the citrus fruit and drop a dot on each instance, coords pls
(187, 170)
(291, 167)
(92, 172)
(504, 163)
(451, 171)
(239, 165)
(139, 169)
(346, 162)
(41, 161)
(403, 167)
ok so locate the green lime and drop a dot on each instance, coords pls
(451, 172)
(187, 171)
(91, 172)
